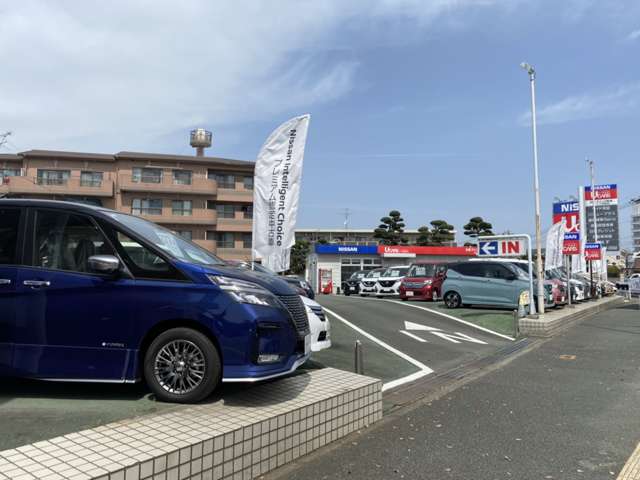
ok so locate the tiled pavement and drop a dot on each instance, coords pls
(241, 437)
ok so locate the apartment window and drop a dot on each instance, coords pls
(223, 180)
(246, 240)
(90, 179)
(248, 183)
(226, 211)
(211, 204)
(146, 206)
(225, 240)
(10, 172)
(182, 177)
(53, 177)
(181, 207)
(186, 234)
(146, 175)
(247, 211)
(211, 235)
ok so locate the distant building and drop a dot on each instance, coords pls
(350, 236)
(635, 223)
(206, 199)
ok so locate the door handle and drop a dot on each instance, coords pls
(36, 283)
(5, 281)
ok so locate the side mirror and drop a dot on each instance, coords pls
(104, 264)
(511, 276)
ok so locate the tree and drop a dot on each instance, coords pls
(424, 236)
(477, 227)
(299, 253)
(390, 230)
(441, 233)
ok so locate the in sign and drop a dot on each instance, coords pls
(505, 247)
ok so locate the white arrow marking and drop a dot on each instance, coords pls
(457, 337)
(488, 248)
(417, 326)
(415, 337)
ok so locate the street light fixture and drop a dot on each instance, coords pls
(536, 188)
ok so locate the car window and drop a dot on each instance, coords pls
(425, 270)
(496, 271)
(142, 261)
(9, 222)
(470, 269)
(65, 241)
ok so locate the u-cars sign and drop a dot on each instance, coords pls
(416, 250)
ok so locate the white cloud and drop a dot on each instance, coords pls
(615, 101)
(120, 74)
(634, 35)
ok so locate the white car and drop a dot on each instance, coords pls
(318, 324)
(389, 282)
(368, 285)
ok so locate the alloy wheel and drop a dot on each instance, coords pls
(180, 367)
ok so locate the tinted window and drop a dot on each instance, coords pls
(65, 241)
(9, 221)
(492, 270)
(470, 269)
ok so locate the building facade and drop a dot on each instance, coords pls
(635, 223)
(205, 199)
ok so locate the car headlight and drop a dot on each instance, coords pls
(245, 292)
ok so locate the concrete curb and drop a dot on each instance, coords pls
(554, 322)
(242, 437)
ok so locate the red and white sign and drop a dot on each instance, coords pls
(412, 250)
(592, 251)
(501, 247)
(604, 194)
(571, 245)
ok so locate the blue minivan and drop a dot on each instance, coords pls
(483, 283)
(90, 294)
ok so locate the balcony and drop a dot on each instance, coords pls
(234, 253)
(235, 225)
(232, 195)
(207, 244)
(70, 186)
(198, 186)
(198, 217)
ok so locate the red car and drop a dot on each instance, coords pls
(423, 282)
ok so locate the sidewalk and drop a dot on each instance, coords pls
(566, 410)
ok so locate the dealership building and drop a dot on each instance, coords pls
(331, 264)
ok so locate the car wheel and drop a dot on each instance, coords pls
(346, 293)
(452, 300)
(182, 365)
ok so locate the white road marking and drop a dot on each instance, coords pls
(417, 326)
(451, 317)
(457, 337)
(424, 370)
(415, 337)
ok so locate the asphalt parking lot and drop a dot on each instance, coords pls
(403, 340)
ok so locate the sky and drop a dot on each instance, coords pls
(416, 105)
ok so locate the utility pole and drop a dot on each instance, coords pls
(593, 200)
(347, 215)
(536, 187)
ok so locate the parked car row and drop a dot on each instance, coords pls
(91, 294)
(493, 282)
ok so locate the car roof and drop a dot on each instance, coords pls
(37, 203)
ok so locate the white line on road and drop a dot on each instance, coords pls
(451, 317)
(424, 370)
(415, 337)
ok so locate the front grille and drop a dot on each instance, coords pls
(413, 284)
(318, 312)
(387, 283)
(369, 284)
(298, 313)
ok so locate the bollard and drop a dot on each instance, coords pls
(357, 350)
(516, 324)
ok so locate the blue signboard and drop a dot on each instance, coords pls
(347, 249)
(560, 208)
(487, 248)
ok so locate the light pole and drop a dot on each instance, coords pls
(536, 186)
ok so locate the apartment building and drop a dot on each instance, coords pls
(635, 223)
(205, 199)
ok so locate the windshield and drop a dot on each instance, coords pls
(428, 270)
(357, 275)
(174, 245)
(395, 272)
(374, 274)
